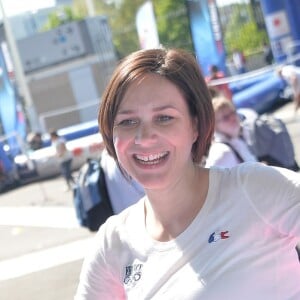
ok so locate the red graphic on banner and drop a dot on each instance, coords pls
(276, 22)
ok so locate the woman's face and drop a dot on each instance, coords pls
(154, 133)
(227, 122)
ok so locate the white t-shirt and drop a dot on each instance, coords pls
(62, 151)
(241, 245)
(222, 155)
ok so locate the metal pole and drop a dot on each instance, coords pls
(20, 76)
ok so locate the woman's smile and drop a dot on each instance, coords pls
(152, 158)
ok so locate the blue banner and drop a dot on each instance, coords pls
(11, 115)
(283, 26)
(206, 34)
(6, 164)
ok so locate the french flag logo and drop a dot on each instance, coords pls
(218, 235)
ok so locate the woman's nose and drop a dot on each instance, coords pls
(144, 134)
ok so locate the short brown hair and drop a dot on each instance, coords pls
(220, 102)
(180, 68)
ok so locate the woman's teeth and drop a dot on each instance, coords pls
(152, 158)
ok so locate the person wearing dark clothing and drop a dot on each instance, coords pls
(268, 54)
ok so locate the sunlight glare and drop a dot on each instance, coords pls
(15, 7)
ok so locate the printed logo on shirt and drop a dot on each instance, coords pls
(218, 235)
(133, 273)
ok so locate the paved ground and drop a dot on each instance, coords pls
(42, 245)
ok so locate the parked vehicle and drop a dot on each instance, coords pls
(43, 163)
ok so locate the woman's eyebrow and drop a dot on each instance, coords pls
(155, 109)
(164, 107)
(125, 112)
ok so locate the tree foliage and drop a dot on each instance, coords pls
(64, 15)
(242, 32)
(173, 23)
(171, 15)
(121, 15)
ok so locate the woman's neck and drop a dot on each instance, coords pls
(169, 212)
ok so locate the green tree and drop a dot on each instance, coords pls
(241, 32)
(248, 38)
(61, 16)
(121, 16)
(173, 23)
(171, 16)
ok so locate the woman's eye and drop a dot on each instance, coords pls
(127, 123)
(164, 119)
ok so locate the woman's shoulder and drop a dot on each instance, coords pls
(260, 184)
(257, 175)
(117, 226)
(258, 167)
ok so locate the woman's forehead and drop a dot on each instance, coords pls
(151, 87)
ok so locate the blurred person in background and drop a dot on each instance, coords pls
(239, 61)
(64, 156)
(222, 88)
(268, 54)
(291, 74)
(228, 147)
(34, 140)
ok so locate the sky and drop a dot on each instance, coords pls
(15, 7)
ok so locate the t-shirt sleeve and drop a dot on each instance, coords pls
(97, 278)
(274, 194)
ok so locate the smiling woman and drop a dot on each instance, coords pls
(198, 231)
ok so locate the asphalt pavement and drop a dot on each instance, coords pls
(42, 245)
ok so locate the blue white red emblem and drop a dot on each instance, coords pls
(218, 235)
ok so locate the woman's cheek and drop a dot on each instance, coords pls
(120, 145)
